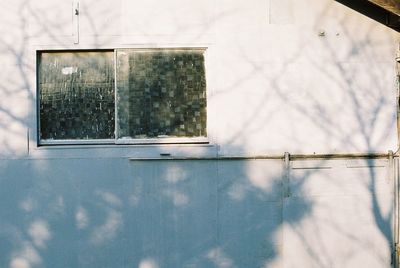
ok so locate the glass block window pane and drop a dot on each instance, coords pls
(76, 93)
(161, 93)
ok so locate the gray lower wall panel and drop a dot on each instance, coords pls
(232, 213)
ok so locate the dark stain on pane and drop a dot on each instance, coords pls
(163, 93)
(76, 91)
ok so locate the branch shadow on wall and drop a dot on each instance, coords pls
(352, 192)
(166, 213)
(106, 212)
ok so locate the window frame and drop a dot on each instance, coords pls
(202, 140)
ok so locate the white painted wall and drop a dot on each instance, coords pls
(275, 83)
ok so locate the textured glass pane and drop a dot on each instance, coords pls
(161, 93)
(76, 95)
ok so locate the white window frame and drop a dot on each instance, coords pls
(206, 140)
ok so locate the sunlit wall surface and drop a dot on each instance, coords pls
(266, 77)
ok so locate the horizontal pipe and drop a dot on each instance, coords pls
(338, 156)
(293, 157)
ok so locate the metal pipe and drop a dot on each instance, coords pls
(392, 177)
(286, 176)
(293, 157)
(395, 174)
(395, 171)
(398, 99)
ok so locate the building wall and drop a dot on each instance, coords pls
(298, 76)
(282, 76)
(165, 213)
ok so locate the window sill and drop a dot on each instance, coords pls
(126, 141)
(113, 150)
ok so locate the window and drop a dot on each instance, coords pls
(122, 96)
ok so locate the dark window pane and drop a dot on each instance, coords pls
(76, 95)
(161, 93)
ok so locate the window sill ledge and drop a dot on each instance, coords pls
(124, 150)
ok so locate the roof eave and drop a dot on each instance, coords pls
(389, 5)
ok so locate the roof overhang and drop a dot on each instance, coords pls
(386, 12)
(389, 5)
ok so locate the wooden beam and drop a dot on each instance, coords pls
(375, 11)
(390, 5)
